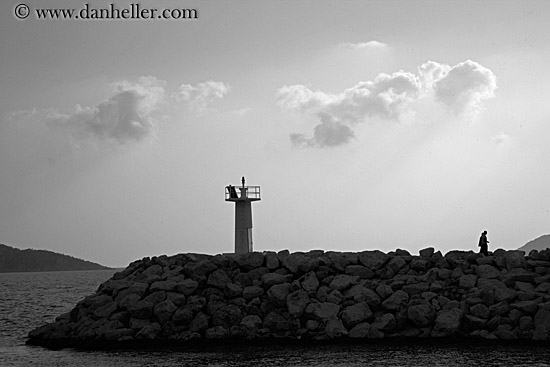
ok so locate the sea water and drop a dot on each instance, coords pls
(29, 300)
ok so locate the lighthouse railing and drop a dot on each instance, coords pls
(234, 192)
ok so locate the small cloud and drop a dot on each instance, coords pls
(199, 98)
(363, 45)
(329, 133)
(500, 138)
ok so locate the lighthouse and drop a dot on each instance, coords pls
(243, 214)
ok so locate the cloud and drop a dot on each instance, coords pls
(386, 96)
(465, 86)
(129, 115)
(363, 45)
(329, 133)
(461, 89)
(200, 97)
(124, 117)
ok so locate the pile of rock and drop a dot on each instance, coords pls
(314, 296)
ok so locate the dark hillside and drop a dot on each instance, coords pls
(16, 260)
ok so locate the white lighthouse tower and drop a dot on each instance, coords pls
(243, 214)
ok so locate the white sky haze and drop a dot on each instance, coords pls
(367, 124)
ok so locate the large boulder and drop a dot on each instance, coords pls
(396, 301)
(373, 259)
(297, 302)
(421, 315)
(218, 279)
(322, 310)
(448, 321)
(385, 323)
(343, 281)
(356, 314)
(164, 311)
(309, 282)
(250, 260)
(487, 271)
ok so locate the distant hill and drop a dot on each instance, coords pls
(541, 243)
(16, 260)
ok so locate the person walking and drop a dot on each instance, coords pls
(483, 244)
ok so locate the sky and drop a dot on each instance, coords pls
(367, 124)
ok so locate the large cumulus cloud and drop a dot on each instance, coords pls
(461, 89)
(130, 114)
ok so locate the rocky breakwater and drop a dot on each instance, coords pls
(313, 296)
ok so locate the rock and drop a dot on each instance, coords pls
(201, 268)
(149, 332)
(187, 287)
(335, 329)
(309, 282)
(487, 271)
(527, 307)
(218, 279)
(183, 315)
(421, 315)
(467, 281)
(114, 335)
(480, 310)
(396, 301)
(360, 330)
(106, 310)
(322, 310)
(384, 290)
(448, 321)
(373, 259)
(514, 259)
(156, 297)
(519, 275)
(294, 261)
(252, 292)
(270, 279)
(359, 270)
(384, 323)
(277, 323)
(250, 260)
(501, 309)
(227, 316)
(524, 287)
(343, 281)
(271, 261)
(473, 323)
(504, 332)
(163, 285)
(412, 289)
(427, 252)
(164, 310)
(420, 264)
(296, 302)
(216, 332)
(356, 314)
(233, 290)
(176, 298)
(199, 324)
(252, 321)
(279, 292)
(141, 310)
(396, 263)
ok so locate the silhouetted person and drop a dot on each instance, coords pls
(484, 244)
(232, 192)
